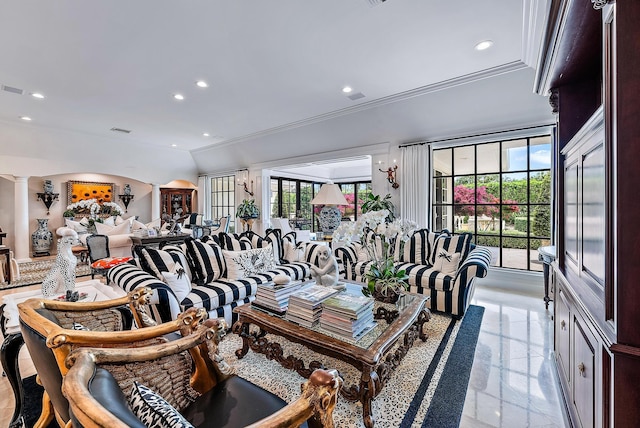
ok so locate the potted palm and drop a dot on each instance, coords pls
(247, 212)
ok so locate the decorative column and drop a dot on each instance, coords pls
(21, 219)
(155, 201)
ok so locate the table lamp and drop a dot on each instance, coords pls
(329, 195)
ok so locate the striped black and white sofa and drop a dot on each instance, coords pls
(440, 265)
(208, 268)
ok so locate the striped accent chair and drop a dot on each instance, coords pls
(450, 292)
(204, 267)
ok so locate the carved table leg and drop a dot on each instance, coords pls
(9, 356)
(423, 317)
(368, 390)
(242, 329)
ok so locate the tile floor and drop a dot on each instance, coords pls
(512, 381)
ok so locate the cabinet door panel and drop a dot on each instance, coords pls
(593, 213)
(583, 376)
(563, 336)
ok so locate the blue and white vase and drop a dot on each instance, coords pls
(41, 239)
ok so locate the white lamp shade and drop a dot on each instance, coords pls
(329, 194)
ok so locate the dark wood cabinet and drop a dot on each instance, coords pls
(589, 68)
(177, 202)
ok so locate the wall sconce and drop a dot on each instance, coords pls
(391, 176)
(126, 197)
(47, 198)
(244, 176)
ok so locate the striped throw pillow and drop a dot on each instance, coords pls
(207, 259)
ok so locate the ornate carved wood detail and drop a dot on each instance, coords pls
(554, 98)
(384, 314)
(599, 4)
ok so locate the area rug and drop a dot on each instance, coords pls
(34, 272)
(427, 390)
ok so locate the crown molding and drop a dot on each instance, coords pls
(436, 87)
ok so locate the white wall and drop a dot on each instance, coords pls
(140, 206)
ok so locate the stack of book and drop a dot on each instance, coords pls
(348, 316)
(305, 306)
(274, 298)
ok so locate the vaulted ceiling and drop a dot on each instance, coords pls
(275, 73)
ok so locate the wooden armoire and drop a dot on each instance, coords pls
(590, 68)
(177, 202)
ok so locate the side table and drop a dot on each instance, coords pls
(546, 255)
(10, 327)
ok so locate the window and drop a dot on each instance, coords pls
(291, 198)
(223, 199)
(501, 193)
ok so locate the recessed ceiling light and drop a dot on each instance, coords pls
(179, 97)
(205, 134)
(174, 145)
(202, 84)
(347, 89)
(37, 95)
(27, 118)
(485, 44)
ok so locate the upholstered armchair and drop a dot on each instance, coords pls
(121, 387)
(52, 329)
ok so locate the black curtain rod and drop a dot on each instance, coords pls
(474, 136)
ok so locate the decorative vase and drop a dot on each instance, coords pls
(41, 239)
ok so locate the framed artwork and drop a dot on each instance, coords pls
(82, 190)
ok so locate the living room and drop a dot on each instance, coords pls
(174, 96)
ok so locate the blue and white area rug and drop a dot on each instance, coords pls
(428, 389)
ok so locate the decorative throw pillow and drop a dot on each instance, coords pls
(178, 280)
(156, 261)
(153, 410)
(207, 259)
(105, 229)
(110, 221)
(361, 252)
(109, 263)
(136, 225)
(241, 264)
(76, 225)
(233, 242)
(293, 252)
(446, 263)
(418, 249)
(453, 244)
(153, 223)
(274, 236)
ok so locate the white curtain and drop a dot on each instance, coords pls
(415, 184)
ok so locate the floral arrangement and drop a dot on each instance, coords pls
(382, 277)
(93, 208)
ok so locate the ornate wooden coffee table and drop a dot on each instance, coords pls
(375, 355)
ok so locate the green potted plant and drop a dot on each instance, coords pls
(247, 209)
(376, 203)
(69, 214)
(385, 281)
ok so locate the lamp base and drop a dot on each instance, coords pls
(330, 218)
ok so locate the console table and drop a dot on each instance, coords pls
(546, 255)
(13, 341)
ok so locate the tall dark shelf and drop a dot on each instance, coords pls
(589, 66)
